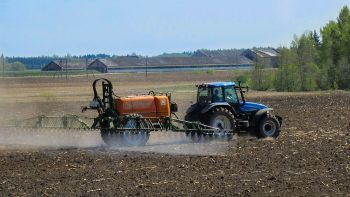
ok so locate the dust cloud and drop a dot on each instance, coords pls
(180, 144)
(159, 142)
(50, 138)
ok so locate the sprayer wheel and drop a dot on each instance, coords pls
(140, 135)
(111, 137)
(135, 133)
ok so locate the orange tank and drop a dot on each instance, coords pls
(147, 106)
(162, 105)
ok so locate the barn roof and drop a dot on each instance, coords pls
(124, 61)
(217, 53)
(71, 64)
(265, 52)
(269, 51)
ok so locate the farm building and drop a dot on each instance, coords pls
(266, 56)
(102, 65)
(59, 65)
(131, 62)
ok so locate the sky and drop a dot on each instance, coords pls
(151, 27)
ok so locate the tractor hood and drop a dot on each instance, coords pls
(250, 106)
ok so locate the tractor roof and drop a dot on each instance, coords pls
(219, 84)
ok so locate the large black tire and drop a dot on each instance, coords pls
(111, 137)
(224, 119)
(193, 113)
(138, 138)
(269, 126)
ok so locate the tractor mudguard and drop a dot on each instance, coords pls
(193, 112)
(192, 108)
(258, 115)
(280, 119)
(210, 106)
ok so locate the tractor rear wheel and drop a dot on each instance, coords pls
(223, 119)
(269, 127)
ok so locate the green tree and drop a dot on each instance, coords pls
(330, 52)
(312, 76)
(306, 51)
(344, 31)
(16, 66)
(312, 63)
(243, 77)
(343, 63)
(287, 78)
(316, 39)
(299, 70)
(287, 57)
(335, 50)
(261, 79)
(2, 62)
(344, 76)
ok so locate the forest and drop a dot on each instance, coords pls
(313, 61)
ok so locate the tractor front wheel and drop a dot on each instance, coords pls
(269, 127)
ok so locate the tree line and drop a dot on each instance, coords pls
(313, 61)
(41, 61)
(13, 66)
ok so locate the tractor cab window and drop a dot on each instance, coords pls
(230, 95)
(203, 95)
(218, 94)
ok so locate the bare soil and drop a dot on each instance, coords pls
(311, 157)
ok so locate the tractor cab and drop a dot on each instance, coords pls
(227, 93)
(220, 92)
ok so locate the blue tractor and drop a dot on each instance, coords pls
(222, 105)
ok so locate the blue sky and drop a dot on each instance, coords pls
(151, 27)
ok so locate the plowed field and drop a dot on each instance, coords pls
(311, 157)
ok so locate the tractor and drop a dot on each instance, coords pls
(220, 111)
(222, 105)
